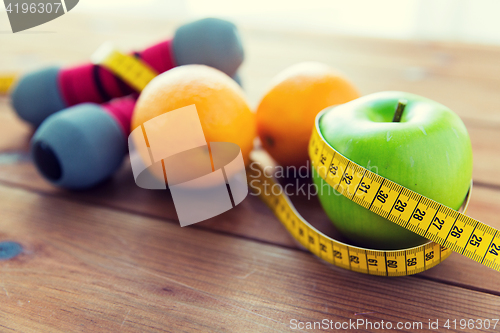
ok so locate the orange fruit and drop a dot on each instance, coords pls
(285, 116)
(222, 107)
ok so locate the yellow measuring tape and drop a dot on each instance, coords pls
(6, 82)
(375, 262)
(456, 232)
(130, 69)
(444, 226)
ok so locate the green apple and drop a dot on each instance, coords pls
(427, 151)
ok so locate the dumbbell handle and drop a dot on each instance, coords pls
(96, 84)
(121, 110)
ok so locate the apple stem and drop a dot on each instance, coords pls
(399, 110)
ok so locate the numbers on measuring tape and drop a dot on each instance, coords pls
(337, 254)
(429, 256)
(456, 232)
(347, 179)
(438, 223)
(475, 240)
(411, 262)
(333, 169)
(392, 263)
(419, 215)
(381, 196)
(322, 247)
(400, 206)
(494, 249)
(364, 187)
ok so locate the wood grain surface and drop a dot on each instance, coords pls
(114, 258)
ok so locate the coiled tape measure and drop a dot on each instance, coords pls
(447, 229)
(374, 262)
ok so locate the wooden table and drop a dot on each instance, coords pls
(114, 258)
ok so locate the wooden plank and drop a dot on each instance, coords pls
(14, 134)
(104, 271)
(251, 219)
(15, 140)
(86, 268)
(464, 77)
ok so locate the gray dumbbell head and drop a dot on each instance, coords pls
(78, 147)
(36, 96)
(212, 42)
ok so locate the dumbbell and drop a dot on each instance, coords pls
(213, 42)
(83, 145)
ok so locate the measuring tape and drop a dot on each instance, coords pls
(130, 69)
(354, 258)
(453, 230)
(6, 82)
(456, 232)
